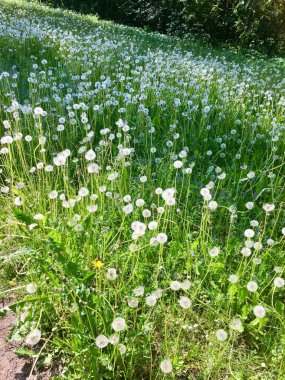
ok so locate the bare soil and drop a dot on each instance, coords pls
(13, 367)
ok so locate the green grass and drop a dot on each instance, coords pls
(185, 116)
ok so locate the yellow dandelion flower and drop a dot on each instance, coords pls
(97, 264)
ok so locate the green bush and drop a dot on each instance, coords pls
(248, 23)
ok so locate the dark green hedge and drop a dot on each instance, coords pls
(249, 23)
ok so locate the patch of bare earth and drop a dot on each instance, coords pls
(13, 367)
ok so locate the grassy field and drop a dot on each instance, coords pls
(142, 201)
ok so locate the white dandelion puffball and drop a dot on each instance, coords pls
(245, 251)
(205, 192)
(249, 205)
(250, 175)
(101, 341)
(168, 196)
(83, 192)
(175, 285)
(127, 198)
(32, 226)
(111, 274)
(259, 311)
(93, 168)
(222, 176)
(122, 348)
(113, 176)
(157, 293)
(38, 111)
(249, 243)
(38, 217)
(90, 155)
(140, 202)
(257, 246)
(118, 324)
(213, 205)
(236, 324)
(53, 194)
(252, 286)
(31, 288)
(161, 238)
(233, 279)
(146, 213)
(221, 335)
(151, 300)
(185, 285)
(128, 208)
(143, 179)
(152, 225)
(92, 208)
(277, 269)
(158, 191)
(279, 282)
(139, 291)
(185, 302)
(249, 233)
(133, 302)
(138, 228)
(18, 201)
(113, 339)
(166, 366)
(170, 202)
(268, 207)
(33, 337)
(210, 185)
(177, 164)
(214, 252)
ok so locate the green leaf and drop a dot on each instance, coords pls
(262, 323)
(245, 310)
(194, 244)
(88, 276)
(55, 236)
(52, 277)
(15, 337)
(24, 351)
(22, 217)
(255, 322)
(3, 312)
(209, 170)
(279, 306)
(217, 266)
(242, 294)
(48, 359)
(55, 240)
(14, 306)
(232, 291)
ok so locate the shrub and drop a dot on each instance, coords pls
(249, 23)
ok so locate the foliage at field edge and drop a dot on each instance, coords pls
(247, 23)
(141, 201)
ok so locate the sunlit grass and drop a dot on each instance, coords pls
(142, 178)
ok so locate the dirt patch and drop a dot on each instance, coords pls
(12, 367)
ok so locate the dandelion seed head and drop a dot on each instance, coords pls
(221, 335)
(166, 366)
(33, 337)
